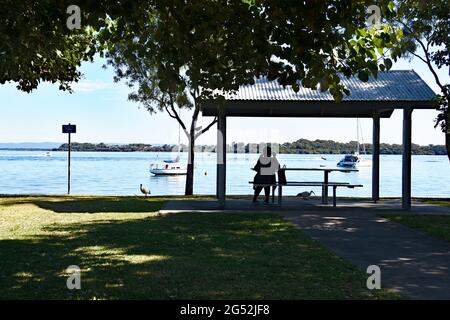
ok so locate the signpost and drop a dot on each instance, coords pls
(69, 128)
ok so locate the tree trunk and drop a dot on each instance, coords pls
(189, 189)
(447, 126)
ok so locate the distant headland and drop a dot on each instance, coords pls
(301, 146)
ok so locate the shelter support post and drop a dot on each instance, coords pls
(221, 157)
(376, 158)
(406, 159)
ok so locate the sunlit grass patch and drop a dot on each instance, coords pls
(436, 226)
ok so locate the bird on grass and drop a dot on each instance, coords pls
(305, 195)
(144, 190)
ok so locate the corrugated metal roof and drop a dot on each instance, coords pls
(396, 85)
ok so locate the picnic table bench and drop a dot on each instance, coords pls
(324, 184)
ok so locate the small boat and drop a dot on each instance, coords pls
(168, 168)
(356, 160)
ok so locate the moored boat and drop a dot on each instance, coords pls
(356, 160)
(168, 168)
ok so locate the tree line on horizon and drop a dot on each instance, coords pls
(301, 146)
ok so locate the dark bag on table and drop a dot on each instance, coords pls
(282, 176)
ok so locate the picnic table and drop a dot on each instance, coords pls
(326, 172)
(325, 184)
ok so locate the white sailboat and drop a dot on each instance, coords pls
(356, 160)
(169, 167)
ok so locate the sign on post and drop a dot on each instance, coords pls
(69, 128)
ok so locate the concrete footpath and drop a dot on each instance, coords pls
(411, 262)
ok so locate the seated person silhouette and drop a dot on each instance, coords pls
(265, 168)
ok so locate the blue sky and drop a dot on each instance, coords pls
(100, 109)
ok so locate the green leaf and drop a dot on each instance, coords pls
(388, 63)
(391, 5)
(363, 75)
(373, 69)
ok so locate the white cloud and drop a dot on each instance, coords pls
(90, 85)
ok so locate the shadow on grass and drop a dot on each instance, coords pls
(101, 205)
(89, 204)
(191, 256)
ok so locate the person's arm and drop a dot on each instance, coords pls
(257, 166)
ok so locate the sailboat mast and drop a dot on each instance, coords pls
(179, 137)
(357, 135)
(359, 128)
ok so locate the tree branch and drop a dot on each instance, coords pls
(177, 116)
(417, 56)
(171, 115)
(198, 134)
(430, 66)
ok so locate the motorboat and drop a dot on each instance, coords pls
(168, 168)
(356, 160)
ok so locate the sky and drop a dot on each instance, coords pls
(100, 109)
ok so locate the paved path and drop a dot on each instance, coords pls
(298, 205)
(415, 264)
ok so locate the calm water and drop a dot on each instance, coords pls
(25, 172)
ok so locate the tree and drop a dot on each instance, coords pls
(316, 42)
(186, 52)
(179, 53)
(176, 61)
(426, 30)
(37, 46)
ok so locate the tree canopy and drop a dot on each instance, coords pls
(426, 29)
(36, 45)
(307, 41)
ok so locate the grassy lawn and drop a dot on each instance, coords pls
(443, 202)
(127, 250)
(437, 226)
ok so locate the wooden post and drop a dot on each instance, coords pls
(325, 188)
(69, 128)
(221, 158)
(406, 159)
(68, 168)
(376, 158)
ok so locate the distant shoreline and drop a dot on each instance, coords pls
(24, 149)
(301, 146)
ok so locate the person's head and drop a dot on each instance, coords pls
(267, 151)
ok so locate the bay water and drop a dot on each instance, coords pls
(120, 173)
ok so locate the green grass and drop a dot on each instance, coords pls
(440, 202)
(437, 226)
(127, 250)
